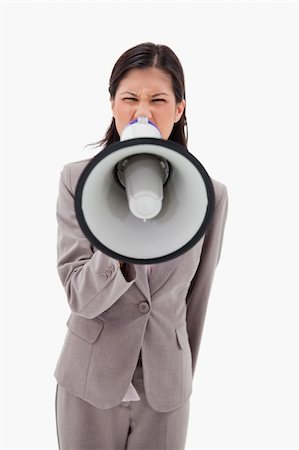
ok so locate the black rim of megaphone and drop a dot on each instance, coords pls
(120, 145)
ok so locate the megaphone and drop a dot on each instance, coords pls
(144, 199)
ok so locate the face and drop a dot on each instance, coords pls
(149, 93)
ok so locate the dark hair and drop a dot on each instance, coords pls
(144, 56)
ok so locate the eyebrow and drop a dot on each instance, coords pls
(160, 93)
(134, 95)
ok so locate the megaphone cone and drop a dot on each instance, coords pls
(144, 200)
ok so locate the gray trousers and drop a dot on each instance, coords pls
(128, 426)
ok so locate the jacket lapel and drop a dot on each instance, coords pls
(142, 281)
(160, 274)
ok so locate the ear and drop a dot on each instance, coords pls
(179, 110)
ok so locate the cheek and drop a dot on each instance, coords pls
(122, 112)
(168, 123)
(122, 118)
(119, 125)
(169, 116)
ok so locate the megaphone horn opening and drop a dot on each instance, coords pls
(104, 215)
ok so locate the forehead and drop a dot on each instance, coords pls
(145, 80)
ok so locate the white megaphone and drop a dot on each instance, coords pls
(144, 200)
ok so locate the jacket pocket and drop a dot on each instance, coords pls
(182, 335)
(87, 329)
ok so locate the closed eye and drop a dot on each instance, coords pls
(135, 99)
(130, 99)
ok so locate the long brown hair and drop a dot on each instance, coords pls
(145, 56)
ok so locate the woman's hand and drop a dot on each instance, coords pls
(128, 270)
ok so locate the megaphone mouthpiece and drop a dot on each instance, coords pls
(140, 127)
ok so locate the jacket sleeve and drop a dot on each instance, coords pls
(92, 280)
(200, 287)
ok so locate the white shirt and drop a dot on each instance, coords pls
(132, 394)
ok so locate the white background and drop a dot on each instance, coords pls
(240, 66)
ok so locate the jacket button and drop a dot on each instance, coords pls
(104, 276)
(143, 307)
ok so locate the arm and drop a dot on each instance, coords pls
(92, 280)
(199, 291)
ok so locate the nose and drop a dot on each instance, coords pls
(144, 110)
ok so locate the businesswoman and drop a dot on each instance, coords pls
(124, 374)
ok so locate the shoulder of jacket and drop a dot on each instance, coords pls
(76, 165)
(71, 172)
(220, 190)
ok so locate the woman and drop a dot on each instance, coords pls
(124, 375)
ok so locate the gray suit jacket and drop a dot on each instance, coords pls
(116, 313)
